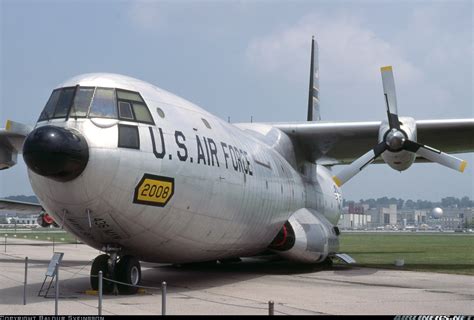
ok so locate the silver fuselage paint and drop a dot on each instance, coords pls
(219, 208)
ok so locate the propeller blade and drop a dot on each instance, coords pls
(356, 166)
(435, 155)
(390, 97)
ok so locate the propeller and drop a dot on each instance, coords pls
(396, 139)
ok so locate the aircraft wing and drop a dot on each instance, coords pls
(19, 206)
(331, 143)
(11, 143)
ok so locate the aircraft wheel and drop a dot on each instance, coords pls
(101, 263)
(327, 263)
(128, 271)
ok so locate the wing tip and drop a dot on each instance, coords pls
(337, 181)
(386, 68)
(463, 165)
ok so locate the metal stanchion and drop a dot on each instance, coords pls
(26, 278)
(53, 244)
(100, 293)
(5, 243)
(271, 308)
(56, 296)
(163, 298)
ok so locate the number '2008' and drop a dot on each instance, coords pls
(154, 191)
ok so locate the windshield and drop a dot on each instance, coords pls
(96, 102)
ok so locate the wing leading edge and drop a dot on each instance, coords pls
(333, 143)
(20, 206)
(11, 142)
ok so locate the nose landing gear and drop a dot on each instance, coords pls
(124, 269)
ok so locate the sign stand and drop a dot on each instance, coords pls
(51, 273)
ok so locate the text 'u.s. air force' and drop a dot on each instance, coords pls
(209, 152)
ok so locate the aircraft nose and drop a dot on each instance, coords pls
(57, 153)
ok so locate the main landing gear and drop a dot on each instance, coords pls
(124, 269)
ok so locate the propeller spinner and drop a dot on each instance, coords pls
(396, 139)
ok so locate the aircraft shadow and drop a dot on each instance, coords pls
(179, 279)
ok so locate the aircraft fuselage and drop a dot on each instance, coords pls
(197, 188)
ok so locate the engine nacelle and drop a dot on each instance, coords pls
(402, 159)
(8, 158)
(307, 237)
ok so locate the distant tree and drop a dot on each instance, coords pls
(447, 202)
(382, 202)
(346, 203)
(371, 202)
(465, 202)
(450, 202)
(423, 204)
(400, 203)
(410, 204)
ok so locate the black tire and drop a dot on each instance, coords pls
(128, 271)
(101, 264)
(327, 263)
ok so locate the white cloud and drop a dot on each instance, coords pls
(348, 49)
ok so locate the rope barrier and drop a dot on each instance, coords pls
(126, 284)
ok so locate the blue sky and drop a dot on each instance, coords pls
(251, 58)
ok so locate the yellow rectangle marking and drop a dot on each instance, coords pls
(387, 68)
(8, 125)
(463, 166)
(154, 190)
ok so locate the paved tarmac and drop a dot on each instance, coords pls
(237, 289)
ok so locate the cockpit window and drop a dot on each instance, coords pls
(142, 113)
(82, 101)
(128, 95)
(50, 105)
(96, 102)
(125, 110)
(128, 101)
(64, 102)
(103, 105)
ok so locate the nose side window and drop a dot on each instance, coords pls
(128, 137)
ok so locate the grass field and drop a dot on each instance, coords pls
(436, 252)
(35, 234)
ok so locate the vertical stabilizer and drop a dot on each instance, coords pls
(313, 98)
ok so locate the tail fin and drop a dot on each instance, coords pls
(313, 98)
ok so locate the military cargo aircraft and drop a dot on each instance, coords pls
(144, 175)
